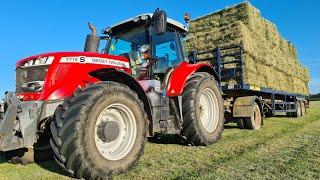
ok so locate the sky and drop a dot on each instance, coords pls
(39, 26)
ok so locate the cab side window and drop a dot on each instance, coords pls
(119, 46)
(166, 50)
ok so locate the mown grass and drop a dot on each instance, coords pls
(284, 148)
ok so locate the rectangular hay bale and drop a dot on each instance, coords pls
(270, 60)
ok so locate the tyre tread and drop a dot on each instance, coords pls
(68, 122)
(190, 129)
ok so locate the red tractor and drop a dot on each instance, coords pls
(96, 110)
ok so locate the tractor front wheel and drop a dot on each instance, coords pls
(100, 131)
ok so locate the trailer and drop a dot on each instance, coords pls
(240, 97)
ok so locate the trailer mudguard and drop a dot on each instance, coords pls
(182, 73)
(243, 106)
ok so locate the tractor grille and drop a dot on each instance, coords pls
(29, 74)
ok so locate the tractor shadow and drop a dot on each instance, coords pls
(167, 139)
(178, 140)
(230, 126)
(49, 165)
(233, 125)
(283, 116)
(53, 167)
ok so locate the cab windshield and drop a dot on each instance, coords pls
(129, 41)
(167, 47)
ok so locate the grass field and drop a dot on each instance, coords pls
(283, 148)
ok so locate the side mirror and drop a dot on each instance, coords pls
(160, 22)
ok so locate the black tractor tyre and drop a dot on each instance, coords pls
(303, 108)
(255, 121)
(42, 149)
(74, 131)
(241, 123)
(202, 85)
(40, 152)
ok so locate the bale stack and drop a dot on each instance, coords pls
(270, 60)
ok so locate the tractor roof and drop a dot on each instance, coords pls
(136, 20)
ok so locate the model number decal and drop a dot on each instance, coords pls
(94, 60)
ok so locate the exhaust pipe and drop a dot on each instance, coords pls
(92, 40)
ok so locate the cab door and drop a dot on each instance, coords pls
(166, 48)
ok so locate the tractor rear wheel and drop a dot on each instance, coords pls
(202, 110)
(100, 131)
(255, 121)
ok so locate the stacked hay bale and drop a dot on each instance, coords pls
(270, 60)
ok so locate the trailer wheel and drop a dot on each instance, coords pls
(100, 131)
(298, 112)
(303, 108)
(255, 121)
(202, 110)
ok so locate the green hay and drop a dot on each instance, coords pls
(270, 60)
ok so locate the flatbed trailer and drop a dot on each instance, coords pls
(239, 95)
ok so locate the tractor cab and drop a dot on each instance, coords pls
(152, 42)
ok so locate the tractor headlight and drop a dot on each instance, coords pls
(32, 86)
(136, 19)
(1, 107)
(38, 61)
(144, 17)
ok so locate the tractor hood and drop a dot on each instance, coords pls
(53, 76)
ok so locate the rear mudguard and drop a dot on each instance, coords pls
(182, 73)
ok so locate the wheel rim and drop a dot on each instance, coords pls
(209, 110)
(303, 108)
(115, 132)
(257, 118)
(298, 109)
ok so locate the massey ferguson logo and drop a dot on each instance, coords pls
(82, 59)
(94, 60)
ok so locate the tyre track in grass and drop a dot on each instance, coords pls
(240, 154)
(275, 159)
(279, 155)
(184, 162)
